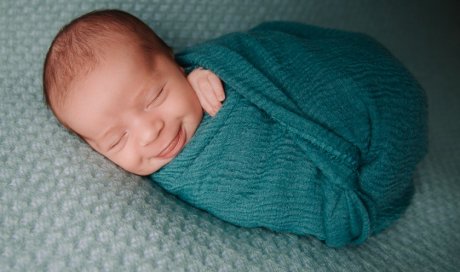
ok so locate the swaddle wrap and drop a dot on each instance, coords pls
(320, 134)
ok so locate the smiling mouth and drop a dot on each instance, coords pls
(175, 146)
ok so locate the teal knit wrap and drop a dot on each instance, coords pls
(320, 134)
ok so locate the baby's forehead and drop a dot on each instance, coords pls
(115, 69)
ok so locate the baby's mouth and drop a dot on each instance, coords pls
(175, 146)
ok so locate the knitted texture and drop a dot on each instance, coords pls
(320, 134)
(65, 208)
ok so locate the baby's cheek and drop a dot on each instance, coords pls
(129, 161)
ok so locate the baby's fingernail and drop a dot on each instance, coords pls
(221, 97)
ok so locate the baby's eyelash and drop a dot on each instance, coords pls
(118, 141)
(156, 97)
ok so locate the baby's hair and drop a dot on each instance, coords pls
(77, 49)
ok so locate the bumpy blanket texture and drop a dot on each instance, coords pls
(320, 133)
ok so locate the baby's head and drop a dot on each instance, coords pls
(109, 79)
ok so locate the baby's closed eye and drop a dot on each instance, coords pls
(117, 141)
(154, 99)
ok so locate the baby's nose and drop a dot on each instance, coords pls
(149, 132)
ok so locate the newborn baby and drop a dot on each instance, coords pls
(319, 132)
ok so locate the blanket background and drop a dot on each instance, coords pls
(65, 208)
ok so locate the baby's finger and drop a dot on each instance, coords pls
(204, 103)
(217, 86)
(210, 103)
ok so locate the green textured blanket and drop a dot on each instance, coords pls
(319, 134)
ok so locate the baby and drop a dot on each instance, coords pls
(112, 81)
(320, 132)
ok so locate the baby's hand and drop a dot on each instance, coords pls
(208, 88)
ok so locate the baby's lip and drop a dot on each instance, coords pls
(174, 146)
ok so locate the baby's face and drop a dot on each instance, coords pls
(138, 111)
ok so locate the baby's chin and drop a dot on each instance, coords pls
(150, 168)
